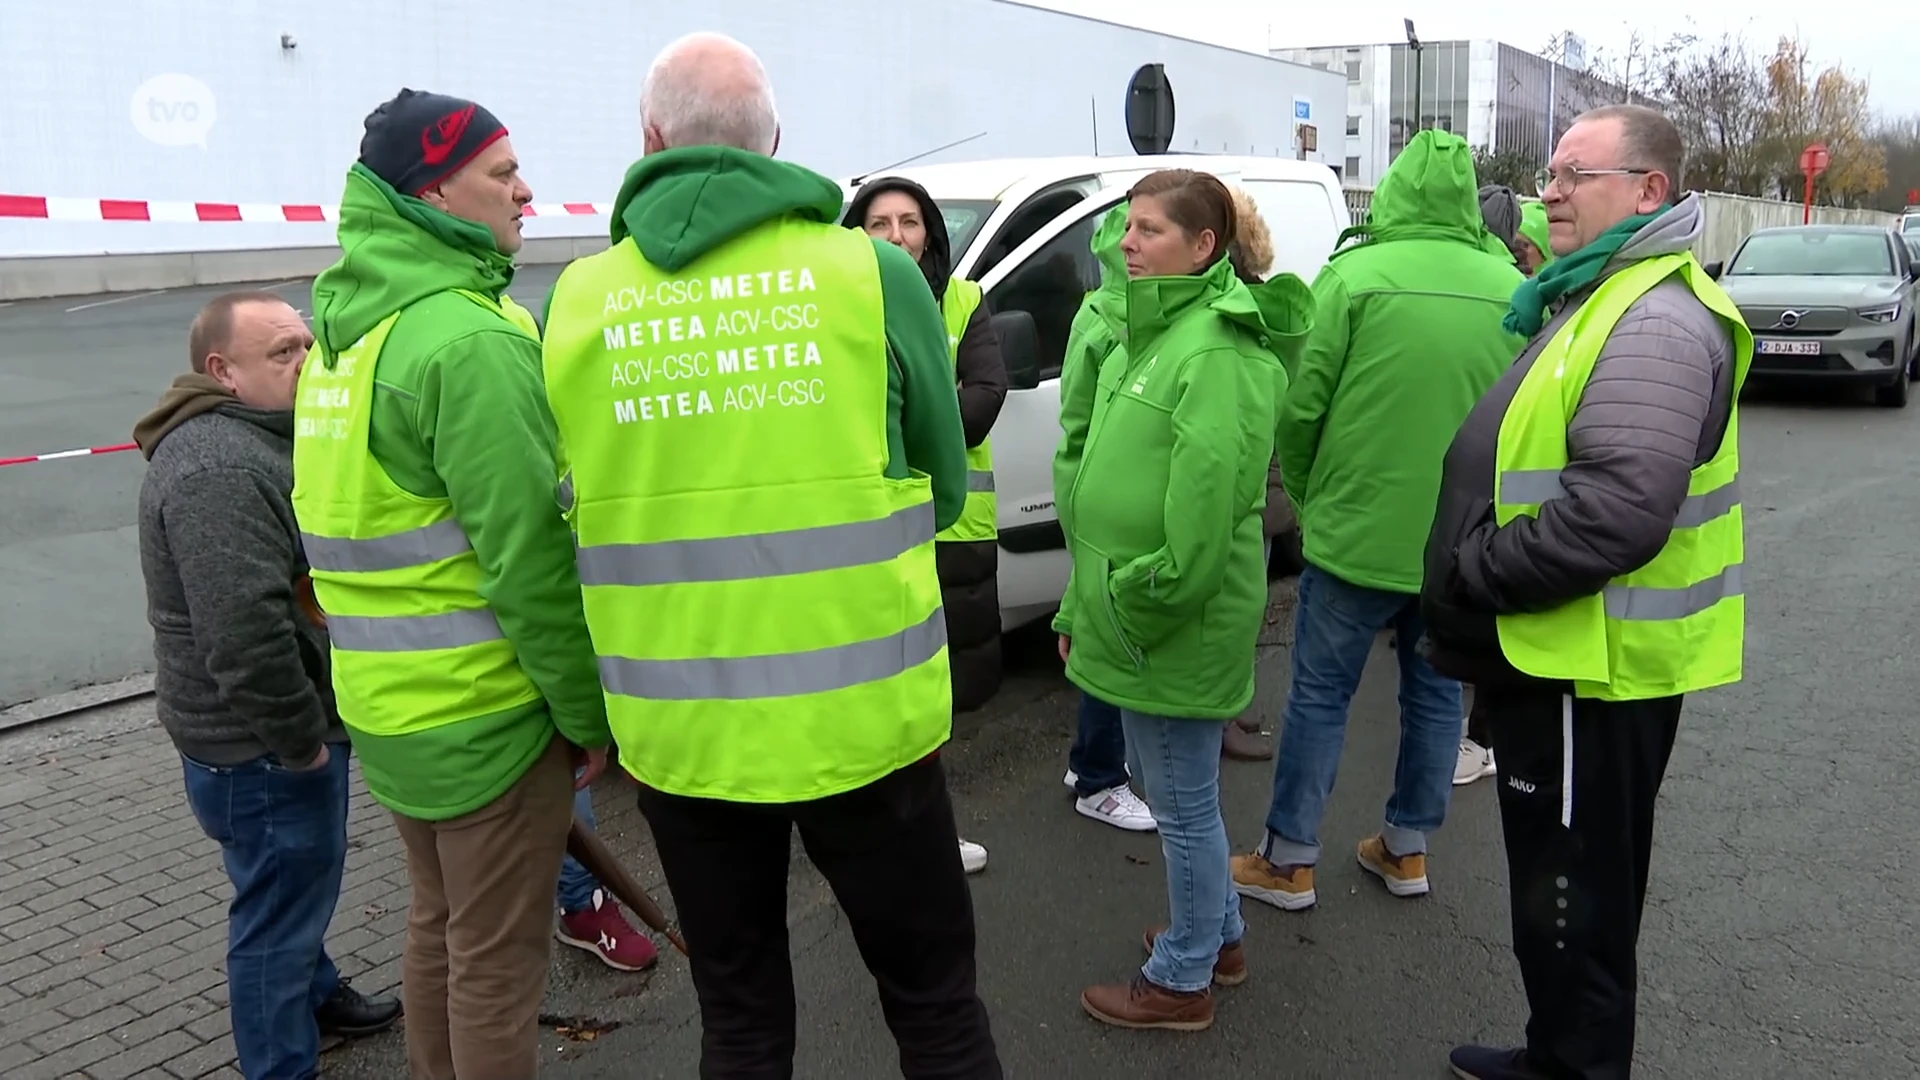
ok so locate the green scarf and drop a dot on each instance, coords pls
(1527, 313)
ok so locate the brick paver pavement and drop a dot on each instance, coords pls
(113, 915)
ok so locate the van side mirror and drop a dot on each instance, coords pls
(1019, 348)
(1713, 269)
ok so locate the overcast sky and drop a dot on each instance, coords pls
(1879, 49)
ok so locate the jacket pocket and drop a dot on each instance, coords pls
(1134, 652)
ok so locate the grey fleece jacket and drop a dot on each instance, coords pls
(242, 668)
(1654, 409)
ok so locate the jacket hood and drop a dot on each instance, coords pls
(1286, 308)
(191, 395)
(1533, 226)
(1674, 231)
(1109, 300)
(396, 250)
(699, 197)
(936, 262)
(1429, 192)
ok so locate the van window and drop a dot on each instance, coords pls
(1050, 286)
(964, 218)
(1303, 222)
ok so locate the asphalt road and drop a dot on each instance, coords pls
(1776, 941)
(79, 371)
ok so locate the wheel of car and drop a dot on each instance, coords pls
(1892, 395)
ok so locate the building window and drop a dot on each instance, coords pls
(1353, 168)
(1353, 125)
(1353, 71)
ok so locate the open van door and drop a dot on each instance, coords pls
(1045, 278)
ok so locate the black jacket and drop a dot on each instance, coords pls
(969, 571)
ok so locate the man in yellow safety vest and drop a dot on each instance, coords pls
(759, 416)
(1584, 570)
(424, 463)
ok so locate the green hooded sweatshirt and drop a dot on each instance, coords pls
(1162, 507)
(459, 413)
(677, 205)
(1533, 226)
(1406, 337)
(1089, 341)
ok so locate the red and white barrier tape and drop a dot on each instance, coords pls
(53, 208)
(82, 452)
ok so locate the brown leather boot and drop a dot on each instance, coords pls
(1140, 1004)
(1243, 741)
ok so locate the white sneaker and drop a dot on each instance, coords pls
(973, 857)
(1118, 807)
(1474, 763)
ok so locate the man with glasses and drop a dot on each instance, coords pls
(1583, 571)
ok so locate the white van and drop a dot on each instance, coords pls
(1023, 228)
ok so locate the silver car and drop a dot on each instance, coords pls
(1829, 302)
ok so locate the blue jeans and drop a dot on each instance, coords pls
(283, 837)
(1099, 753)
(1177, 765)
(1334, 627)
(575, 892)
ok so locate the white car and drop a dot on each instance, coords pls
(1023, 228)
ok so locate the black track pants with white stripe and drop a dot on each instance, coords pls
(1578, 779)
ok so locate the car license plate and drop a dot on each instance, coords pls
(1789, 348)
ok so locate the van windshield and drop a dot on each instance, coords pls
(964, 218)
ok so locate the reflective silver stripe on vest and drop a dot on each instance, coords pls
(412, 633)
(1534, 486)
(563, 492)
(746, 678)
(415, 547)
(761, 555)
(1644, 604)
(979, 480)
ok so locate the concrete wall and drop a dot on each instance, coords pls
(1730, 218)
(861, 84)
(84, 275)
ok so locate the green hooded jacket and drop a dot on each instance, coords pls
(677, 205)
(1162, 507)
(1089, 341)
(1406, 337)
(459, 413)
(1533, 226)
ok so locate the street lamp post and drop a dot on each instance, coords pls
(1413, 42)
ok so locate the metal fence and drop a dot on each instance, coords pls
(1730, 218)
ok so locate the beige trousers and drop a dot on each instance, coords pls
(481, 926)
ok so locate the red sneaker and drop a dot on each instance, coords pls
(603, 931)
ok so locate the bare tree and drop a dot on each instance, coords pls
(1717, 96)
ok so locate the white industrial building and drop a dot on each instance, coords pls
(213, 101)
(1494, 95)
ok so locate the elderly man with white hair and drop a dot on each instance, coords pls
(764, 438)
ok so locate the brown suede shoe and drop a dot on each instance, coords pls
(1242, 741)
(1141, 1005)
(1229, 968)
